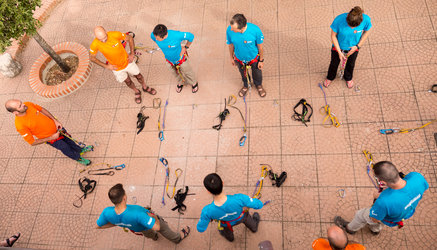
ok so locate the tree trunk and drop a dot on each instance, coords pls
(46, 47)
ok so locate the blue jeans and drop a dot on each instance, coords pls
(68, 147)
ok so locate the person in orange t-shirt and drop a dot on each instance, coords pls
(32, 120)
(337, 240)
(119, 61)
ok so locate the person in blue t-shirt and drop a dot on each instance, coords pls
(227, 209)
(136, 218)
(245, 42)
(348, 34)
(169, 41)
(396, 203)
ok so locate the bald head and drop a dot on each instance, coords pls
(15, 106)
(337, 237)
(100, 33)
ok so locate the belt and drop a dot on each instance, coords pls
(399, 223)
(55, 140)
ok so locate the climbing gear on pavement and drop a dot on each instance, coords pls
(222, 117)
(302, 116)
(403, 130)
(433, 88)
(180, 198)
(87, 186)
(326, 110)
(369, 158)
(106, 171)
(231, 102)
(167, 179)
(147, 49)
(177, 173)
(141, 122)
(161, 130)
(259, 184)
(341, 193)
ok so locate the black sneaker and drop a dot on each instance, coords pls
(342, 223)
(257, 218)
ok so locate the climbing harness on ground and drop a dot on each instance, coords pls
(161, 130)
(222, 117)
(177, 66)
(276, 180)
(326, 110)
(246, 67)
(231, 102)
(87, 186)
(302, 116)
(141, 122)
(403, 130)
(106, 171)
(178, 173)
(180, 198)
(433, 89)
(64, 133)
(342, 66)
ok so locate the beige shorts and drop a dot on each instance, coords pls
(131, 69)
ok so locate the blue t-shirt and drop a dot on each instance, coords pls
(134, 217)
(397, 204)
(348, 37)
(230, 210)
(171, 46)
(245, 44)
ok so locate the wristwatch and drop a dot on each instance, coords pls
(358, 47)
(186, 47)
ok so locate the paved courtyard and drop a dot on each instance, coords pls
(395, 69)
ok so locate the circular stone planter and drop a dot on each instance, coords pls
(69, 86)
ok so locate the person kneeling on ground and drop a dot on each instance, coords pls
(227, 209)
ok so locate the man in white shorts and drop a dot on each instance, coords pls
(119, 61)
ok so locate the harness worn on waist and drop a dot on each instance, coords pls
(247, 66)
(228, 223)
(177, 66)
(302, 116)
(180, 198)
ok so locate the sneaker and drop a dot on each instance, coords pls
(374, 233)
(87, 149)
(256, 217)
(84, 161)
(342, 223)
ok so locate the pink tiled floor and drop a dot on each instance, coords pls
(395, 69)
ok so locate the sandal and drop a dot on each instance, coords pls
(138, 98)
(149, 90)
(326, 83)
(195, 87)
(186, 232)
(261, 91)
(243, 91)
(16, 237)
(179, 88)
(350, 84)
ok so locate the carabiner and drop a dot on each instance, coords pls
(243, 140)
(389, 131)
(156, 103)
(164, 161)
(161, 135)
(119, 167)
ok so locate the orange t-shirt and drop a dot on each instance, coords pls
(323, 244)
(34, 123)
(112, 49)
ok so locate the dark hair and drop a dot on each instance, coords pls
(160, 30)
(116, 194)
(240, 20)
(213, 183)
(355, 16)
(10, 109)
(386, 171)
